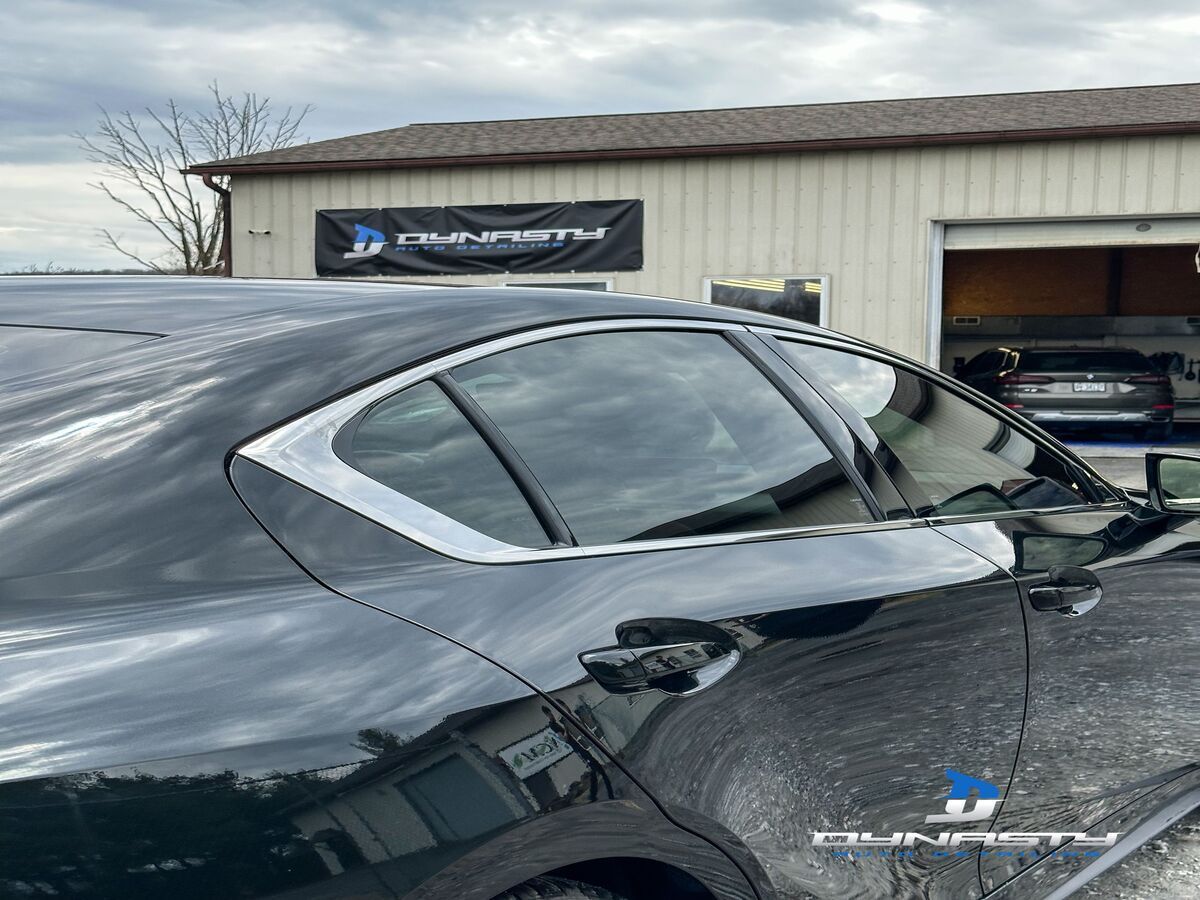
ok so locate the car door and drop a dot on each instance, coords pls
(726, 590)
(1109, 592)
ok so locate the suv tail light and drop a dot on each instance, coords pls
(1147, 379)
(1015, 378)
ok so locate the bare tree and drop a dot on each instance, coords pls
(140, 158)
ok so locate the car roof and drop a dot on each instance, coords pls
(177, 305)
(159, 305)
(252, 324)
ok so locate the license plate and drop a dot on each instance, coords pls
(1091, 386)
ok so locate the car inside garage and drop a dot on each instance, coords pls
(1096, 284)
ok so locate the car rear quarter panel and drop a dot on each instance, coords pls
(187, 714)
(847, 707)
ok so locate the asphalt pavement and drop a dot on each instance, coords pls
(1123, 461)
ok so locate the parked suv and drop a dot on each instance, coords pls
(1077, 387)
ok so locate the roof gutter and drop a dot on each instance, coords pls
(226, 219)
(875, 143)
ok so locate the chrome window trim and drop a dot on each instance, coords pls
(739, 537)
(1037, 512)
(301, 451)
(1018, 423)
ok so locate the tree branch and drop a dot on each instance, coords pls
(144, 154)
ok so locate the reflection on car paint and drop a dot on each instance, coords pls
(1113, 692)
(850, 696)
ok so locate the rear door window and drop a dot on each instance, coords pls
(965, 459)
(638, 435)
(419, 444)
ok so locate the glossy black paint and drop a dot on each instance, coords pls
(193, 709)
(1108, 594)
(156, 306)
(169, 671)
(1113, 688)
(853, 695)
(265, 742)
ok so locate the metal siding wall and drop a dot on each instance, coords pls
(861, 217)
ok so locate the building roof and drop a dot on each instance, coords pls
(980, 118)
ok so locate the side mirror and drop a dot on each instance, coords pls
(1173, 482)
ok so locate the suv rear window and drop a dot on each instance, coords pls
(25, 349)
(1084, 361)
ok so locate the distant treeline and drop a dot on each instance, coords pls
(52, 269)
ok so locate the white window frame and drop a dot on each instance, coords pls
(823, 311)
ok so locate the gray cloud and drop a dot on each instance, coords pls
(372, 66)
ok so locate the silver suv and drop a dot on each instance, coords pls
(1077, 387)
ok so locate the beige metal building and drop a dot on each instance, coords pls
(933, 226)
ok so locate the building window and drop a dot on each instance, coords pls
(455, 800)
(800, 297)
(602, 285)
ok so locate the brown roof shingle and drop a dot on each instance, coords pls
(968, 119)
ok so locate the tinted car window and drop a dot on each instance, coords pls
(24, 350)
(639, 435)
(418, 443)
(965, 459)
(1086, 361)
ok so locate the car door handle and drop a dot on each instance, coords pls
(1071, 590)
(677, 656)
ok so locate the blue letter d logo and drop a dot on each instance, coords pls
(961, 786)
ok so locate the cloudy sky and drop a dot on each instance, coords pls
(367, 66)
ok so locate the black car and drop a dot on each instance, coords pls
(318, 590)
(1078, 387)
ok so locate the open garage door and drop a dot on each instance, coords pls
(1045, 234)
(1090, 283)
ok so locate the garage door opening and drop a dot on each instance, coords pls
(1142, 292)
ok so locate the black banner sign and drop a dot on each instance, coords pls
(586, 236)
